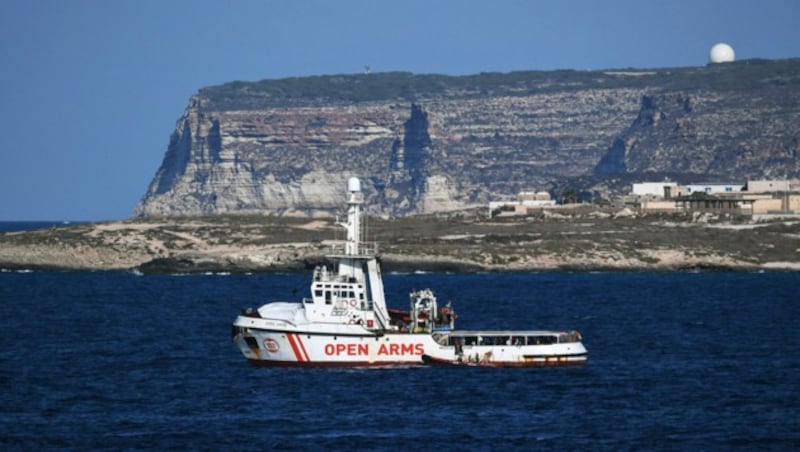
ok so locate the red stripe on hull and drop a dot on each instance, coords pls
(297, 354)
(302, 347)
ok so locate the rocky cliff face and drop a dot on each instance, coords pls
(433, 143)
(733, 136)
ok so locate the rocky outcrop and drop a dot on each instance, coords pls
(431, 143)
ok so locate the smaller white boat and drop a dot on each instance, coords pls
(508, 349)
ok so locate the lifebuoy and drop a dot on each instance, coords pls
(353, 303)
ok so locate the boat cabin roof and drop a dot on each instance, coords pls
(502, 333)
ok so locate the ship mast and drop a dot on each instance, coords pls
(354, 201)
(349, 264)
(359, 259)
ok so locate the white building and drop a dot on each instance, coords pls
(772, 186)
(657, 189)
(712, 189)
(525, 200)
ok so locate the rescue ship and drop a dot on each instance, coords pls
(345, 322)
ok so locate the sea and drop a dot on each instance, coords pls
(677, 361)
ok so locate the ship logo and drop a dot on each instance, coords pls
(271, 345)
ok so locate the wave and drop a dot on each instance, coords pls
(16, 270)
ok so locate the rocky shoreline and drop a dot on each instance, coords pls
(569, 240)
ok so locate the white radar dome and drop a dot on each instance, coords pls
(721, 53)
(353, 184)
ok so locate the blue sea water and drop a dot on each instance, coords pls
(707, 360)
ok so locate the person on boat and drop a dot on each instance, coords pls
(459, 347)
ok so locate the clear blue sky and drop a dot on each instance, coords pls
(91, 89)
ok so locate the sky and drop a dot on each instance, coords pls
(90, 90)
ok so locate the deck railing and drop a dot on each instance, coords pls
(364, 249)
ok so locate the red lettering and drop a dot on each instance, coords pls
(349, 349)
(400, 349)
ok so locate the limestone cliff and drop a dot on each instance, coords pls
(426, 143)
(732, 136)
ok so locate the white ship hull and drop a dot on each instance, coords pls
(284, 349)
(357, 347)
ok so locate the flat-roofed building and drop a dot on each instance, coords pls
(525, 200)
(773, 186)
(657, 189)
(734, 203)
(712, 189)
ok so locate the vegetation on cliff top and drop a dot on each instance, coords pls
(405, 86)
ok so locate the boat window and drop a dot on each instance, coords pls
(318, 293)
(572, 336)
(541, 340)
(517, 340)
(470, 340)
(327, 297)
(495, 340)
(351, 294)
